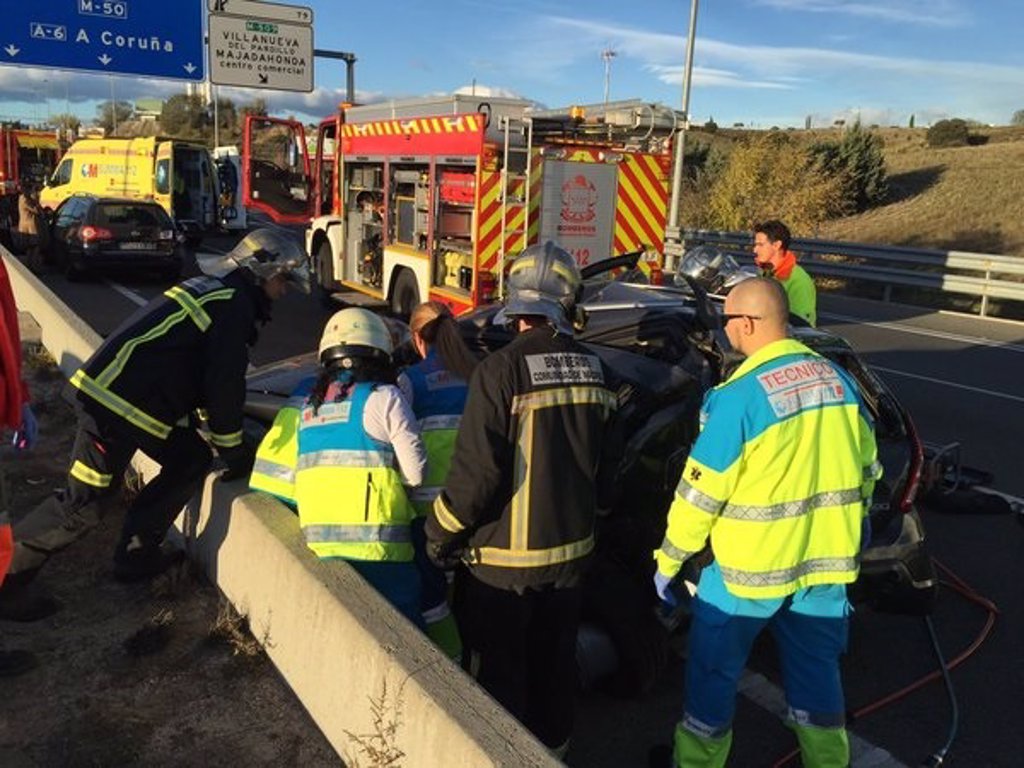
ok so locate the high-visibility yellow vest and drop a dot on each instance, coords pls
(780, 477)
(346, 486)
(439, 397)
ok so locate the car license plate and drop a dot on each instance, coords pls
(138, 246)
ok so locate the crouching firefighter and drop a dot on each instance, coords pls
(185, 351)
(338, 453)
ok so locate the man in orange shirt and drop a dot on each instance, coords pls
(773, 257)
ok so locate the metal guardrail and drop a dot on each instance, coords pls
(983, 275)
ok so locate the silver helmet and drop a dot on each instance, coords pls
(543, 281)
(714, 270)
(265, 254)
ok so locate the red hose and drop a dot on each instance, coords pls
(961, 587)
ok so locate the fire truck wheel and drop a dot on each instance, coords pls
(405, 294)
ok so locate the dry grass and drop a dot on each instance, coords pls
(961, 198)
(230, 628)
(380, 747)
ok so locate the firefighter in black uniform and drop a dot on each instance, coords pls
(185, 351)
(519, 504)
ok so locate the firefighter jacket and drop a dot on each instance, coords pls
(780, 477)
(438, 398)
(344, 480)
(519, 502)
(185, 350)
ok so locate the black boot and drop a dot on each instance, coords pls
(13, 663)
(25, 603)
(136, 561)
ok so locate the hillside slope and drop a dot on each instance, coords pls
(962, 198)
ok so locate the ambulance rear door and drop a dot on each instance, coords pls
(163, 176)
(276, 176)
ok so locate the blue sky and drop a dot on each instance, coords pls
(759, 62)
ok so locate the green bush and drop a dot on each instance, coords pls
(859, 162)
(772, 177)
(949, 133)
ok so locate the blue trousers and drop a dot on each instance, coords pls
(810, 628)
(398, 582)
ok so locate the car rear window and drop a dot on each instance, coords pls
(121, 214)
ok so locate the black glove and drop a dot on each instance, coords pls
(239, 459)
(447, 555)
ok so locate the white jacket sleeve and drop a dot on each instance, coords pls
(388, 417)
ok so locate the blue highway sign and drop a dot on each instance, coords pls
(120, 37)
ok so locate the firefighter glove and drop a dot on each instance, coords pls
(239, 460)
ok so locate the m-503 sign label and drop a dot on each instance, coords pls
(261, 51)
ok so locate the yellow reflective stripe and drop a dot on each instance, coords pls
(113, 370)
(190, 305)
(445, 518)
(519, 507)
(121, 407)
(784, 576)
(565, 396)
(520, 264)
(531, 558)
(229, 440)
(90, 476)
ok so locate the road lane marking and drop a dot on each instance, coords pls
(765, 694)
(129, 294)
(913, 329)
(968, 387)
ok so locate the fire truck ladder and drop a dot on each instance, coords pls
(515, 188)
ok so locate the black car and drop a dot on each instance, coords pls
(90, 233)
(666, 348)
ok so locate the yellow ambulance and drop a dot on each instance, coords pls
(179, 175)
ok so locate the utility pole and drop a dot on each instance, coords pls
(113, 107)
(674, 244)
(350, 67)
(608, 54)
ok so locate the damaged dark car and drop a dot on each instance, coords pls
(665, 348)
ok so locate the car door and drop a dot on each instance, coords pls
(66, 219)
(276, 177)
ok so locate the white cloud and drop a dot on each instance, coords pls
(936, 13)
(780, 64)
(708, 77)
(476, 89)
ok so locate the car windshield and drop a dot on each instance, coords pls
(132, 215)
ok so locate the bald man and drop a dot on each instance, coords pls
(780, 479)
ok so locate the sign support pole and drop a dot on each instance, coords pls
(674, 245)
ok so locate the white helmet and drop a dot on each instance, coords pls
(355, 333)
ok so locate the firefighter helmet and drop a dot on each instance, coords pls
(543, 281)
(714, 270)
(265, 254)
(352, 334)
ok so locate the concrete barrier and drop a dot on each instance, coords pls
(339, 645)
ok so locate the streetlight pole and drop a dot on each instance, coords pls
(674, 244)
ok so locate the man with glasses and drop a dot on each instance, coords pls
(780, 480)
(773, 257)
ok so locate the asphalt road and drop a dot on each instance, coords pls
(960, 379)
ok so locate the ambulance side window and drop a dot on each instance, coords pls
(63, 173)
(163, 176)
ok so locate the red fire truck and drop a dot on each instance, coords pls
(24, 156)
(431, 198)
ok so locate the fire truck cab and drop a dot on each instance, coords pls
(431, 198)
(25, 157)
